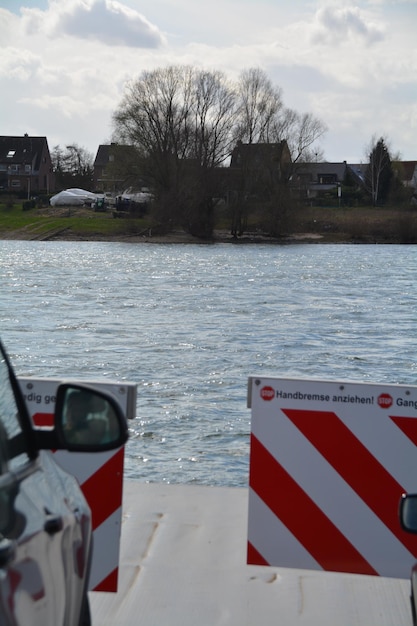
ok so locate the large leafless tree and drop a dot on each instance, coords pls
(184, 122)
(181, 121)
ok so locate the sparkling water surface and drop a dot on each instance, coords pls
(190, 323)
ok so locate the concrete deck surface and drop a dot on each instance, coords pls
(183, 562)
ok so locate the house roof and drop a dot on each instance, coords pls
(408, 169)
(105, 151)
(259, 153)
(316, 170)
(21, 150)
(358, 171)
(102, 156)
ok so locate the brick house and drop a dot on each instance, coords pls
(256, 169)
(269, 160)
(115, 168)
(25, 165)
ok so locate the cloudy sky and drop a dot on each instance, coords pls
(352, 63)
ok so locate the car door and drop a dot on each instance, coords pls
(29, 526)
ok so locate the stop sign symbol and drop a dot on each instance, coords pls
(267, 393)
(384, 400)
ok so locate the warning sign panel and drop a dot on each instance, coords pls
(329, 462)
(100, 475)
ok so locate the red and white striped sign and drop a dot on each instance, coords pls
(100, 475)
(329, 462)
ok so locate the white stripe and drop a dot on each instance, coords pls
(285, 550)
(386, 442)
(83, 465)
(373, 540)
(106, 548)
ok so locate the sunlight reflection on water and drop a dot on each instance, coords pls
(190, 323)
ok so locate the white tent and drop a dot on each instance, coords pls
(74, 197)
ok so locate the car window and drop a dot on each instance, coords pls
(12, 444)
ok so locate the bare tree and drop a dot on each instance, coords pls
(379, 171)
(73, 166)
(152, 116)
(57, 158)
(264, 119)
(301, 131)
(214, 109)
(260, 104)
(213, 117)
(184, 123)
(180, 119)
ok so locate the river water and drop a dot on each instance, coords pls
(189, 324)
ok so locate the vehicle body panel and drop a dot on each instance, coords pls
(45, 521)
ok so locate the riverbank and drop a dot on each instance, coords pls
(219, 236)
(178, 236)
(175, 237)
(305, 225)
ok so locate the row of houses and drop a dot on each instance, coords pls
(310, 180)
(26, 167)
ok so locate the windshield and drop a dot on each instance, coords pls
(10, 421)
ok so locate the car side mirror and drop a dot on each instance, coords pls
(408, 512)
(88, 420)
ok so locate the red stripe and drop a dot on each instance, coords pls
(103, 490)
(109, 583)
(43, 419)
(297, 511)
(254, 557)
(357, 466)
(408, 425)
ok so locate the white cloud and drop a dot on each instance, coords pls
(106, 21)
(336, 25)
(17, 64)
(8, 25)
(67, 106)
(352, 63)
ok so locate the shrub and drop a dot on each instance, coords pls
(29, 204)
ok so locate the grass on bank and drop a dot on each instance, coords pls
(333, 224)
(79, 222)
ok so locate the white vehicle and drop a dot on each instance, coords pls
(408, 519)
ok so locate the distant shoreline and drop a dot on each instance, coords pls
(219, 236)
(312, 225)
(175, 237)
(185, 238)
(178, 238)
